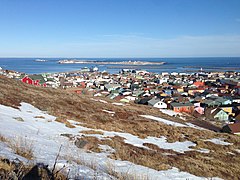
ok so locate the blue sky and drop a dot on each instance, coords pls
(119, 28)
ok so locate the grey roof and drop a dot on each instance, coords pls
(108, 86)
(176, 104)
(37, 77)
(153, 101)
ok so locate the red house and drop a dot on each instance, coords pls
(36, 80)
(27, 80)
(182, 107)
(199, 84)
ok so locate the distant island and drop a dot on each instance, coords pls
(110, 62)
(40, 60)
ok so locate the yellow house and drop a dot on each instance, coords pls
(228, 110)
(180, 89)
(193, 91)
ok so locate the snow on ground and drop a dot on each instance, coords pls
(161, 142)
(107, 111)
(102, 101)
(94, 99)
(172, 113)
(44, 133)
(203, 150)
(237, 150)
(99, 100)
(176, 146)
(163, 120)
(169, 112)
(172, 123)
(7, 152)
(219, 141)
(194, 126)
(118, 104)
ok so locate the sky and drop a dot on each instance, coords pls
(119, 28)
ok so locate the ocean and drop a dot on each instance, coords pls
(30, 66)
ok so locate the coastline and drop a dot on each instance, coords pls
(110, 62)
(30, 66)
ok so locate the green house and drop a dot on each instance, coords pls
(220, 115)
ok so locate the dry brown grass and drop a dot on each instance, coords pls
(41, 117)
(64, 121)
(19, 119)
(3, 138)
(7, 167)
(112, 170)
(17, 170)
(213, 164)
(91, 132)
(22, 147)
(89, 113)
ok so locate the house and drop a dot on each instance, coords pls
(112, 87)
(180, 89)
(27, 80)
(232, 128)
(220, 115)
(228, 109)
(36, 80)
(143, 101)
(236, 99)
(169, 92)
(199, 109)
(182, 107)
(193, 91)
(223, 101)
(217, 114)
(211, 103)
(157, 103)
(137, 93)
(199, 84)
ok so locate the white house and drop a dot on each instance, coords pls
(157, 103)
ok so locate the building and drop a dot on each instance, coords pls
(36, 80)
(182, 107)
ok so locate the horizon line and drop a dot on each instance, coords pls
(122, 57)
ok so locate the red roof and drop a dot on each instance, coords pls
(199, 83)
(235, 128)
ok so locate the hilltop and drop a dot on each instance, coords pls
(130, 136)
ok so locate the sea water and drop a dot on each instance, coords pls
(30, 66)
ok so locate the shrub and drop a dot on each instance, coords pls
(22, 147)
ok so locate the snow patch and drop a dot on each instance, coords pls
(99, 100)
(168, 122)
(45, 134)
(163, 120)
(110, 112)
(219, 141)
(169, 112)
(161, 142)
(102, 101)
(118, 104)
(203, 150)
(194, 126)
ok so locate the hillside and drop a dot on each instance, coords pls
(133, 139)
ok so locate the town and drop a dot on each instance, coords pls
(205, 97)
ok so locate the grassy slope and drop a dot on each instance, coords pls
(67, 105)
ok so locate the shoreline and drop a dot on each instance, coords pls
(110, 62)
